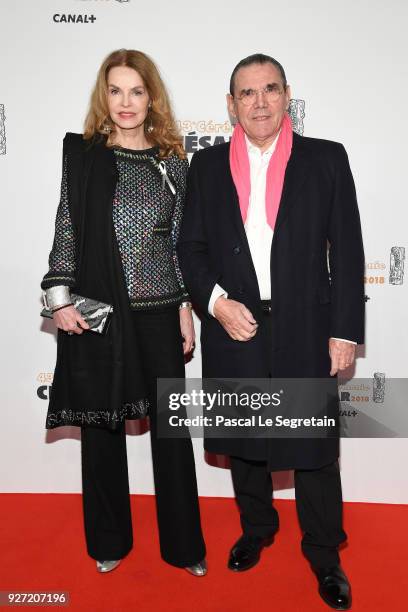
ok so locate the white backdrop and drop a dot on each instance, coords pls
(346, 60)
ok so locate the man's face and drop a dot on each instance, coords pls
(262, 118)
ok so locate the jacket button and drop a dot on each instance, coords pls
(237, 250)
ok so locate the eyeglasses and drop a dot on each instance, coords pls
(271, 92)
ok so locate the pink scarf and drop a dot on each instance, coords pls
(239, 164)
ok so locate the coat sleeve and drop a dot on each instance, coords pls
(346, 256)
(193, 244)
(62, 260)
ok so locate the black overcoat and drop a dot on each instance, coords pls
(98, 378)
(311, 300)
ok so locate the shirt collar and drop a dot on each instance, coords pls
(252, 149)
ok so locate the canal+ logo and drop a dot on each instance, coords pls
(62, 18)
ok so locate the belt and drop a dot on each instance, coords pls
(266, 306)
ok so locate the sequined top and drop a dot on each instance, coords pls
(146, 218)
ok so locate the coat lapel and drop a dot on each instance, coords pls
(235, 210)
(295, 175)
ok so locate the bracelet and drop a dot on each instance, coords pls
(186, 305)
(57, 296)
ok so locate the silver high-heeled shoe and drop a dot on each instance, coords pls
(198, 569)
(106, 566)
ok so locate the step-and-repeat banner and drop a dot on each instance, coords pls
(346, 63)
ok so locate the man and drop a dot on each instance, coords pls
(260, 215)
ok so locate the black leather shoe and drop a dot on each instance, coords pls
(246, 552)
(334, 587)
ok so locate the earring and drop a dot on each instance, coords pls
(150, 127)
(106, 128)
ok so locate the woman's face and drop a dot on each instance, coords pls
(128, 100)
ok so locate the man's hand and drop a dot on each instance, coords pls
(342, 355)
(68, 319)
(235, 318)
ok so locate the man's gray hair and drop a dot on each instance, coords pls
(257, 58)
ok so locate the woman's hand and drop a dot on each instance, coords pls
(68, 319)
(187, 329)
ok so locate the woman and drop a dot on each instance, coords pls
(117, 225)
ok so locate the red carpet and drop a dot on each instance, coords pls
(42, 549)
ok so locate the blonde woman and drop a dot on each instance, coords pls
(117, 225)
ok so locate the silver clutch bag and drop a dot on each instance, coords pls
(95, 313)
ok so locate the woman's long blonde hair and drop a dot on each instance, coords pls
(163, 132)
